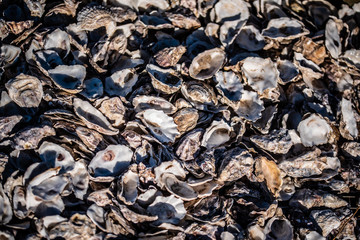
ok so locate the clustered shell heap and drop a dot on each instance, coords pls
(181, 119)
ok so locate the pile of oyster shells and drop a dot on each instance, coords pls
(179, 119)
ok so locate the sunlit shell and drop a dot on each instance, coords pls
(314, 130)
(111, 161)
(250, 39)
(332, 37)
(279, 228)
(327, 220)
(9, 54)
(200, 95)
(217, 134)
(56, 156)
(59, 41)
(278, 141)
(250, 106)
(169, 57)
(160, 124)
(207, 63)
(225, 10)
(7, 124)
(229, 85)
(186, 119)
(144, 102)
(168, 209)
(348, 125)
(261, 74)
(114, 109)
(172, 167)
(178, 188)
(166, 81)
(80, 179)
(68, 78)
(30, 138)
(120, 83)
(189, 145)
(267, 170)
(93, 118)
(284, 29)
(129, 183)
(235, 164)
(25, 90)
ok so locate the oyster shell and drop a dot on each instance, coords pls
(254, 69)
(166, 81)
(93, 118)
(161, 125)
(25, 90)
(56, 156)
(168, 209)
(207, 63)
(284, 28)
(68, 78)
(121, 82)
(269, 171)
(314, 130)
(111, 161)
(217, 134)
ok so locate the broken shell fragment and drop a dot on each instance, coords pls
(68, 78)
(25, 90)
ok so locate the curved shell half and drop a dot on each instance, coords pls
(207, 63)
(314, 130)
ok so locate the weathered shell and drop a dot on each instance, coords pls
(129, 184)
(288, 72)
(178, 188)
(217, 134)
(121, 82)
(189, 145)
(314, 130)
(96, 214)
(160, 124)
(306, 198)
(250, 39)
(114, 110)
(166, 81)
(250, 106)
(200, 95)
(7, 124)
(59, 41)
(5, 210)
(278, 141)
(226, 10)
(168, 209)
(143, 102)
(9, 54)
(352, 56)
(279, 228)
(348, 126)
(93, 88)
(235, 164)
(172, 167)
(332, 37)
(261, 74)
(169, 57)
(229, 85)
(268, 170)
(56, 156)
(79, 179)
(309, 164)
(68, 78)
(111, 161)
(326, 220)
(93, 118)
(284, 28)
(30, 138)
(186, 119)
(207, 63)
(25, 90)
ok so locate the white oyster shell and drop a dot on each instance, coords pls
(217, 134)
(168, 209)
(261, 74)
(129, 184)
(160, 124)
(332, 38)
(348, 126)
(111, 161)
(314, 130)
(226, 10)
(179, 188)
(207, 63)
(120, 83)
(229, 85)
(59, 41)
(284, 29)
(56, 156)
(93, 118)
(167, 81)
(172, 167)
(68, 77)
(250, 39)
(144, 102)
(250, 106)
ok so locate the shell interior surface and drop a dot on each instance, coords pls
(179, 119)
